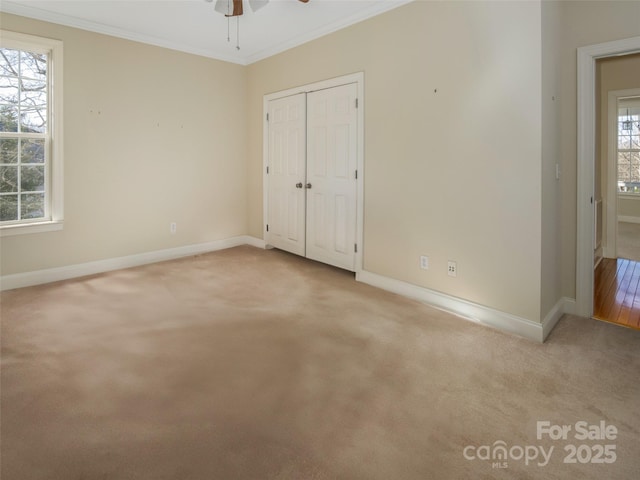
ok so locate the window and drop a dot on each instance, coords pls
(629, 149)
(30, 134)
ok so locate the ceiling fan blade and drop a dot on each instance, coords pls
(304, 1)
(223, 6)
(257, 4)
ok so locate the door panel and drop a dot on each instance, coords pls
(331, 167)
(287, 167)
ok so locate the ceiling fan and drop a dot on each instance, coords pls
(233, 8)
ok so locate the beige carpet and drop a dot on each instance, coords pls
(629, 241)
(251, 364)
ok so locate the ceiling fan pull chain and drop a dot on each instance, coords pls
(238, 33)
(228, 21)
(234, 8)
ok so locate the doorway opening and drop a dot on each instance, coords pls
(616, 293)
(586, 222)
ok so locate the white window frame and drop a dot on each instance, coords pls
(629, 103)
(54, 197)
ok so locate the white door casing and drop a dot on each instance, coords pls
(331, 175)
(287, 164)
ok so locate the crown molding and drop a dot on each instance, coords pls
(95, 27)
(74, 22)
(375, 10)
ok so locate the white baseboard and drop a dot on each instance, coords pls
(468, 310)
(254, 242)
(628, 219)
(462, 308)
(27, 279)
(564, 305)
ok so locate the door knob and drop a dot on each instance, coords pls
(308, 185)
(299, 185)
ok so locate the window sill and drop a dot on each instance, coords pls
(23, 229)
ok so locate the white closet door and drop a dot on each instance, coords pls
(331, 175)
(286, 178)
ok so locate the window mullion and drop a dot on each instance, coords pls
(19, 94)
(23, 135)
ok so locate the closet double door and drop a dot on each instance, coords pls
(312, 175)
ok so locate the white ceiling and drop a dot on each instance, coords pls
(194, 26)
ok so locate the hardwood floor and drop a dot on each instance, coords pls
(617, 292)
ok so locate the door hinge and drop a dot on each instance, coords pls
(267, 169)
(267, 227)
(356, 103)
(356, 174)
(355, 247)
(267, 117)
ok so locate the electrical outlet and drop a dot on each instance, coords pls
(452, 269)
(173, 227)
(424, 262)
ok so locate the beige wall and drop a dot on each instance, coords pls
(453, 174)
(584, 23)
(551, 226)
(466, 172)
(152, 136)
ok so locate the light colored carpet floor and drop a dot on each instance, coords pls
(629, 241)
(252, 364)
